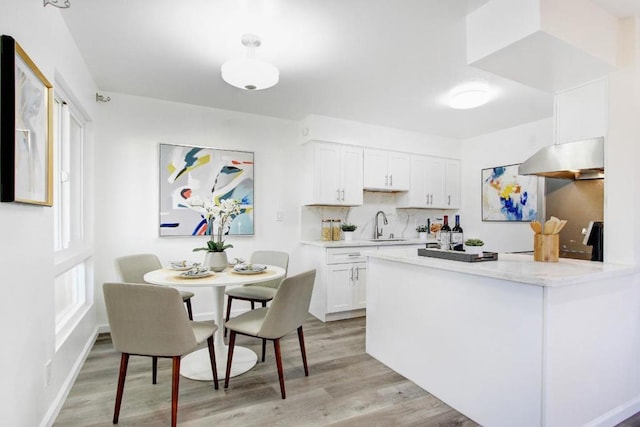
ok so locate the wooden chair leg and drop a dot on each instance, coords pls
(175, 383)
(276, 346)
(232, 343)
(124, 362)
(226, 319)
(189, 310)
(264, 304)
(253, 305)
(264, 348)
(212, 357)
(304, 353)
(154, 370)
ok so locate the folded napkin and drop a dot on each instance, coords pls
(249, 267)
(183, 265)
(179, 264)
(196, 270)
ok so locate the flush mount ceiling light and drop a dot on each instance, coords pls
(469, 95)
(250, 73)
(62, 4)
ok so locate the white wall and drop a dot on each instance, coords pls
(322, 128)
(505, 147)
(622, 155)
(26, 309)
(128, 132)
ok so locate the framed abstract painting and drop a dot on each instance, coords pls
(207, 173)
(507, 196)
(26, 128)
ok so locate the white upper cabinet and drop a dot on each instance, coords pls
(452, 184)
(333, 174)
(435, 183)
(386, 170)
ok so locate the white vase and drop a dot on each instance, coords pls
(348, 235)
(477, 250)
(216, 261)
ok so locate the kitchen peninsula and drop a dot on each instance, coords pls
(509, 342)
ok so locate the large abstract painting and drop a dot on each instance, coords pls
(507, 196)
(209, 173)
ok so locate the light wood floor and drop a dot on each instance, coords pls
(345, 387)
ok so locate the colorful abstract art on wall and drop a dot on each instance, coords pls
(507, 196)
(187, 171)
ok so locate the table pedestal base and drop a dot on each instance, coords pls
(196, 365)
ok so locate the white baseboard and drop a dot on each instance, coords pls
(617, 414)
(55, 407)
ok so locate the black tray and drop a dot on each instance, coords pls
(458, 256)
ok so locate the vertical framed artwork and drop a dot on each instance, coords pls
(26, 128)
(507, 196)
(209, 173)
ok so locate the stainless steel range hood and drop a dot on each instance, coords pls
(573, 160)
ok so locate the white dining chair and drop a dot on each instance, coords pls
(287, 312)
(132, 269)
(149, 320)
(259, 292)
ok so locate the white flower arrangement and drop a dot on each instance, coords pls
(218, 214)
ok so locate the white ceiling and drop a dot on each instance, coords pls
(385, 62)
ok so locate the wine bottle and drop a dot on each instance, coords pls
(457, 237)
(445, 234)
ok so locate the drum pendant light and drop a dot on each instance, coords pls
(250, 73)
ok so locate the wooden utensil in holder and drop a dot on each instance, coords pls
(546, 247)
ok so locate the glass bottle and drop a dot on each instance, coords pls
(445, 234)
(457, 237)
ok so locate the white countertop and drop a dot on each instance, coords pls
(361, 243)
(517, 267)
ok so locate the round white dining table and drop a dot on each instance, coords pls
(196, 365)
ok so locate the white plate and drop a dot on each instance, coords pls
(250, 271)
(195, 276)
(181, 268)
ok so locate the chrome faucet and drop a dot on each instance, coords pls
(377, 232)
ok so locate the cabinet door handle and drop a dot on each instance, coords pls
(343, 194)
(386, 180)
(338, 195)
(357, 273)
(391, 180)
(449, 200)
(351, 275)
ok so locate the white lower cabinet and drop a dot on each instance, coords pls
(347, 287)
(340, 289)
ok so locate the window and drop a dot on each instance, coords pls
(68, 162)
(70, 295)
(70, 246)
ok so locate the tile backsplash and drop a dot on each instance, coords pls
(401, 222)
